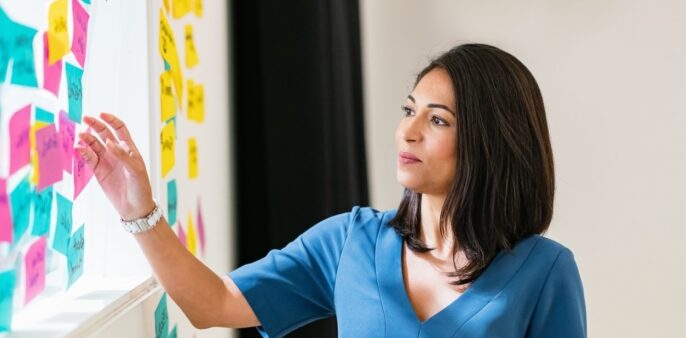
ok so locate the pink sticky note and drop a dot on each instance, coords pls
(78, 46)
(201, 229)
(34, 262)
(52, 74)
(82, 172)
(20, 146)
(5, 218)
(67, 135)
(49, 156)
(182, 235)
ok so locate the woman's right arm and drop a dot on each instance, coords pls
(205, 298)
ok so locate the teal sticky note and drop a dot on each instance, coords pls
(171, 201)
(43, 115)
(6, 26)
(74, 91)
(64, 224)
(75, 256)
(172, 334)
(87, 2)
(23, 64)
(42, 208)
(166, 66)
(7, 280)
(162, 318)
(20, 199)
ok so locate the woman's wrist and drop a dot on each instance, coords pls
(144, 211)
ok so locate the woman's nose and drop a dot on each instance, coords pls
(411, 129)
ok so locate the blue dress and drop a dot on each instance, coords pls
(349, 266)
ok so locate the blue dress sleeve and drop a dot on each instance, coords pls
(291, 287)
(561, 309)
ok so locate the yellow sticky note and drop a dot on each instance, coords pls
(167, 137)
(166, 5)
(34, 151)
(169, 53)
(191, 54)
(58, 33)
(192, 158)
(196, 101)
(190, 236)
(180, 8)
(168, 108)
(197, 8)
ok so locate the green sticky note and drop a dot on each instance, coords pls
(75, 256)
(172, 334)
(171, 201)
(64, 224)
(74, 91)
(42, 208)
(43, 115)
(7, 280)
(20, 199)
(23, 64)
(161, 318)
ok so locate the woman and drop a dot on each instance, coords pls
(462, 256)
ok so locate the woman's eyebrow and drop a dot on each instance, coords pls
(432, 105)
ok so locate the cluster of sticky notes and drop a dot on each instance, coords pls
(194, 233)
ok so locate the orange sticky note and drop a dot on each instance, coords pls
(191, 54)
(190, 236)
(167, 137)
(196, 101)
(34, 151)
(58, 33)
(166, 5)
(192, 158)
(167, 106)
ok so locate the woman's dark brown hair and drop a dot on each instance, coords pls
(504, 183)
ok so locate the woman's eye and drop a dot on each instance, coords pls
(406, 110)
(438, 121)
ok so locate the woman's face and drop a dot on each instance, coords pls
(428, 132)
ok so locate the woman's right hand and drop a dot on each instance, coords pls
(117, 165)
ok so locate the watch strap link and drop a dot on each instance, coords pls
(144, 223)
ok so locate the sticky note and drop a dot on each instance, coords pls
(20, 145)
(173, 334)
(197, 8)
(34, 158)
(191, 54)
(49, 152)
(191, 238)
(63, 224)
(181, 234)
(58, 34)
(166, 5)
(34, 264)
(87, 2)
(171, 201)
(192, 158)
(67, 133)
(6, 27)
(7, 280)
(5, 215)
(170, 55)
(23, 63)
(82, 173)
(75, 92)
(196, 101)
(42, 209)
(180, 8)
(52, 73)
(20, 200)
(201, 229)
(167, 105)
(75, 256)
(43, 115)
(161, 318)
(78, 46)
(167, 147)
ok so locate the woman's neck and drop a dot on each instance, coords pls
(430, 233)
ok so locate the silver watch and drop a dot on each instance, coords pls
(144, 223)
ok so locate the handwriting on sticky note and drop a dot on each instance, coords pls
(5, 215)
(170, 55)
(167, 139)
(81, 18)
(20, 200)
(63, 224)
(75, 92)
(81, 171)
(58, 34)
(75, 256)
(67, 133)
(49, 152)
(52, 73)
(161, 318)
(42, 209)
(196, 101)
(23, 65)
(34, 263)
(7, 280)
(171, 201)
(167, 105)
(191, 54)
(20, 146)
(192, 158)
(191, 238)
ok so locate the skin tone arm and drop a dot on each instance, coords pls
(207, 299)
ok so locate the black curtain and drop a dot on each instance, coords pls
(299, 133)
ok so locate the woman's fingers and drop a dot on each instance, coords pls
(120, 129)
(92, 159)
(103, 131)
(93, 143)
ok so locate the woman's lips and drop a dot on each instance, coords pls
(407, 158)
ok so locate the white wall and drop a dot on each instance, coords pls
(613, 76)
